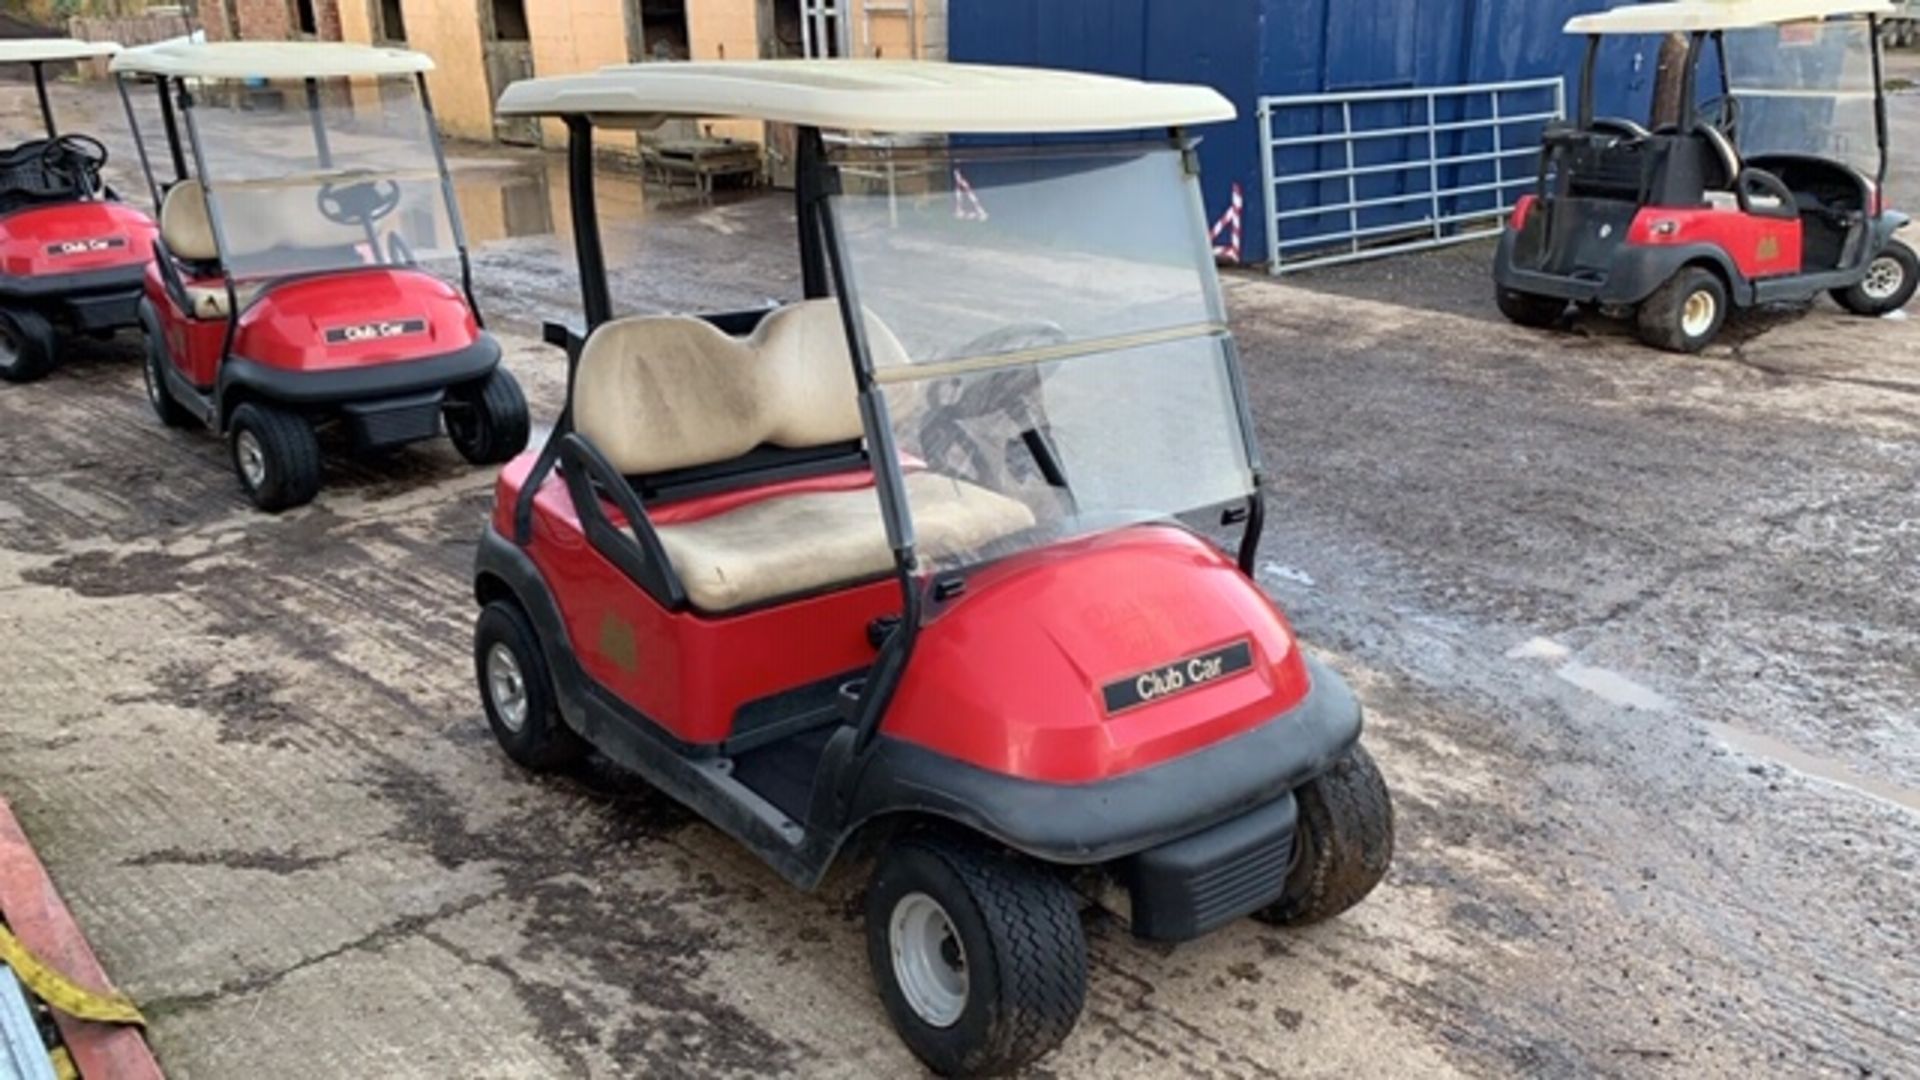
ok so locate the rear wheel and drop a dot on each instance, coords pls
(27, 349)
(1684, 314)
(1342, 845)
(1891, 278)
(518, 691)
(978, 954)
(1530, 309)
(487, 421)
(165, 407)
(275, 455)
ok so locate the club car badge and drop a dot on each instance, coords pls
(1176, 678)
(91, 245)
(378, 330)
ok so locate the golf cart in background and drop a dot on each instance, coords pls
(1770, 191)
(288, 289)
(947, 562)
(72, 255)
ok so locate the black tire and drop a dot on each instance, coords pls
(286, 472)
(1684, 314)
(1530, 309)
(541, 741)
(170, 412)
(1022, 953)
(1878, 295)
(1342, 845)
(27, 348)
(487, 421)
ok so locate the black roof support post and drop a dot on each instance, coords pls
(172, 124)
(809, 188)
(321, 146)
(1879, 116)
(46, 106)
(446, 192)
(594, 296)
(1585, 114)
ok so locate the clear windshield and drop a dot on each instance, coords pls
(1805, 88)
(296, 187)
(1051, 336)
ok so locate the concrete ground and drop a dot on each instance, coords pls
(1636, 634)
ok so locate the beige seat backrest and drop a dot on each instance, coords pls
(185, 226)
(655, 393)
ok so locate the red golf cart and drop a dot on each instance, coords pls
(72, 255)
(293, 284)
(946, 562)
(1769, 191)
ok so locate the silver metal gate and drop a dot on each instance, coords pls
(823, 29)
(1360, 175)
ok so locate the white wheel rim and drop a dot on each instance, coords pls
(929, 962)
(1884, 277)
(251, 459)
(1696, 318)
(507, 687)
(9, 347)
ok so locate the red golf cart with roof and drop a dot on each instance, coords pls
(946, 562)
(72, 255)
(293, 284)
(1770, 191)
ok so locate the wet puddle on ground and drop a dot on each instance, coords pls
(1813, 765)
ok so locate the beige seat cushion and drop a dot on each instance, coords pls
(655, 393)
(209, 299)
(795, 544)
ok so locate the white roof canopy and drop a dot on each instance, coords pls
(1688, 16)
(869, 95)
(267, 60)
(29, 50)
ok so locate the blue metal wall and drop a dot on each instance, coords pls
(1249, 48)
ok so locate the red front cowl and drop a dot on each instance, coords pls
(74, 238)
(355, 318)
(1010, 678)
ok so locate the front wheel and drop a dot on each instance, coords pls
(275, 455)
(979, 955)
(1891, 279)
(487, 421)
(26, 346)
(1342, 845)
(1530, 309)
(518, 692)
(1684, 314)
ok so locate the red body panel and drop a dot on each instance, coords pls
(1010, 677)
(287, 328)
(194, 344)
(73, 238)
(1759, 246)
(688, 673)
(1007, 678)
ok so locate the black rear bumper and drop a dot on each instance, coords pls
(106, 299)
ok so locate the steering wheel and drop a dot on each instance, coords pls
(361, 202)
(1622, 129)
(78, 158)
(973, 423)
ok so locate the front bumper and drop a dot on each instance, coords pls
(106, 299)
(1106, 821)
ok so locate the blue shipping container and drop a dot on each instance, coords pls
(1247, 49)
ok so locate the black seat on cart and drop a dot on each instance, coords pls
(655, 394)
